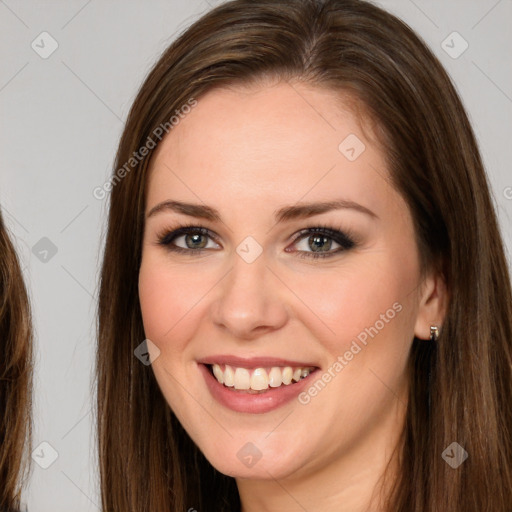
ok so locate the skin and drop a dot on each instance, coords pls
(247, 152)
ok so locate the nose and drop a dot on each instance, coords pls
(250, 300)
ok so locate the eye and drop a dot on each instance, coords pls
(314, 242)
(187, 239)
(317, 242)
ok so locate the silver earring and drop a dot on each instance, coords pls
(434, 333)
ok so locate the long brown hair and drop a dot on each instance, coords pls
(460, 391)
(15, 375)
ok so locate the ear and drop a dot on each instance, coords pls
(433, 302)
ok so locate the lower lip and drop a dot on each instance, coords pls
(253, 403)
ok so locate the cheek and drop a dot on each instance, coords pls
(369, 312)
(167, 300)
(346, 303)
(167, 297)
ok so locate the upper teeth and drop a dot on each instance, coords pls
(259, 378)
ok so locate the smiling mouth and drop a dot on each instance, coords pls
(258, 380)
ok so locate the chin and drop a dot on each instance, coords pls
(243, 456)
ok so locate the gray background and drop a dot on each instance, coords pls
(61, 118)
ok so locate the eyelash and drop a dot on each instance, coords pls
(344, 238)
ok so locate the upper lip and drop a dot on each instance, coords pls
(253, 362)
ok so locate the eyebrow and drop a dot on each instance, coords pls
(287, 213)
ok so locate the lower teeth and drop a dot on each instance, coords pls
(250, 391)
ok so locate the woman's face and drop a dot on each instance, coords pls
(248, 295)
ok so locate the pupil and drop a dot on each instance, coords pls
(318, 242)
(195, 238)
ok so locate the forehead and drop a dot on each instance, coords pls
(254, 143)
